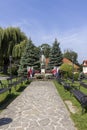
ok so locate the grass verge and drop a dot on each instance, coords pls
(79, 119)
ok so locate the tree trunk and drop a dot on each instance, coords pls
(5, 67)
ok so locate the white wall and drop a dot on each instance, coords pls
(84, 69)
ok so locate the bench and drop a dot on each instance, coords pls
(60, 81)
(1, 84)
(15, 83)
(67, 86)
(83, 84)
(81, 97)
(11, 84)
(3, 87)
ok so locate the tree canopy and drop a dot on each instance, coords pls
(9, 38)
(71, 55)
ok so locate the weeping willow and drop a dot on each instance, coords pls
(9, 38)
(12, 42)
(19, 49)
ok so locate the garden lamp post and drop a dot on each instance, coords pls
(72, 69)
(10, 59)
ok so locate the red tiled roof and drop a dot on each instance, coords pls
(65, 60)
(84, 64)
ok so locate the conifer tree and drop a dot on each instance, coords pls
(55, 58)
(29, 58)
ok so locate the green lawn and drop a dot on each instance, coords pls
(79, 118)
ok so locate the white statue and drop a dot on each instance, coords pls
(43, 61)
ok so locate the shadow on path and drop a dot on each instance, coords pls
(7, 101)
(4, 121)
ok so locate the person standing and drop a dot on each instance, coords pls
(33, 72)
(54, 71)
(30, 72)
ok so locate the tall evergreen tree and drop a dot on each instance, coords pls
(30, 58)
(55, 58)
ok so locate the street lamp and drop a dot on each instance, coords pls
(72, 69)
(10, 59)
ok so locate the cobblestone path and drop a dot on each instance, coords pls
(39, 107)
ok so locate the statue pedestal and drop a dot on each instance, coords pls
(42, 71)
(42, 68)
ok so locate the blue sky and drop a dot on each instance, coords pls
(45, 20)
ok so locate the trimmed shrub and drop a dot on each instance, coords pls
(66, 70)
(39, 76)
(76, 76)
(48, 75)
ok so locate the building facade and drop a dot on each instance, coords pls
(84, 66)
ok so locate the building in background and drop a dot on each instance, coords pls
(84, 64)
(69, 62)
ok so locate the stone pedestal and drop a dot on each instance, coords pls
(42, 71)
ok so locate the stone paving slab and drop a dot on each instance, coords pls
(39, 107)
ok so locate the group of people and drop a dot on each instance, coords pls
(30, 72)
(56, 72)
